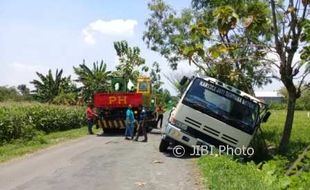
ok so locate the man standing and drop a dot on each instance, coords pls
(141, 126)
(160, 115)
(90, 116)
(130, 119)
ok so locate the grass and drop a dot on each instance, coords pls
(223, 172)
(300, 136)
(19, 148)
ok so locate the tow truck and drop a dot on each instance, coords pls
(112, 105)
(213, 113)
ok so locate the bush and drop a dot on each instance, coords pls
(24, 121)
(278, 106)
(300, 105)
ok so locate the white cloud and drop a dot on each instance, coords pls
(116, 27)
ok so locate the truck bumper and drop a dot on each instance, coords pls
(176, 134)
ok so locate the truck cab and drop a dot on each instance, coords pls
(212, 113)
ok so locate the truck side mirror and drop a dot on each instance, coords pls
(183, 80)
(266, 116)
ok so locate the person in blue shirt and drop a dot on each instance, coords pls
(130, 119)
(141, 127)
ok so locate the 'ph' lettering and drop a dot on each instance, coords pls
(122, 99)
(112, 99)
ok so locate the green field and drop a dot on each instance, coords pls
(28, 127)
(223, 172)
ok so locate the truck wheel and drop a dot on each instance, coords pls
(163, 146)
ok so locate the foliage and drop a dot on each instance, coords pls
(9, 93)
(23, 89)
(224, 39)
(163, 95)
(23, 121)
(21, 93)
(278, 106)
(155, 77)
(291, 35)
(93, 80)
(48, 87)
(174, 78)
(129, 61)
(25, 92)
(302, 103)
(65, 99)
(300, 138)
(221, 172)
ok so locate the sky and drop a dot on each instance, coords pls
(38, 35)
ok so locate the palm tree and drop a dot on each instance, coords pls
(48, 87)
(94, 80)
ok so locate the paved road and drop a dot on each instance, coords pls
(108, 162)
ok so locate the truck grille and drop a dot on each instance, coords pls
(197, 134)
(210, 130)
(229, 139)
(192, 122)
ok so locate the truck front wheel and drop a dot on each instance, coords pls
(163, 146)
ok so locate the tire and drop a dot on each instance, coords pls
(163, 146)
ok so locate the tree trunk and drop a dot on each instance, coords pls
(288, 123)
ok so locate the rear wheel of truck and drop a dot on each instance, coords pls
(163, 146)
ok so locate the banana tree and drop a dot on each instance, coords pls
(95, 79)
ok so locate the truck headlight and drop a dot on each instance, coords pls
(180, 125)
(172, 120)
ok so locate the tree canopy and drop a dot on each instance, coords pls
(224, 39)
(129, 61)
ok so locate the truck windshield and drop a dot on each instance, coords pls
(222, 104)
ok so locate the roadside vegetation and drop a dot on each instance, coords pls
(288, 171)
(26, 127)
(24, 120)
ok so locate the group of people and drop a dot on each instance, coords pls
(91, 115)
(130, 120)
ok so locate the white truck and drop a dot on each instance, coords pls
(213, 113)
